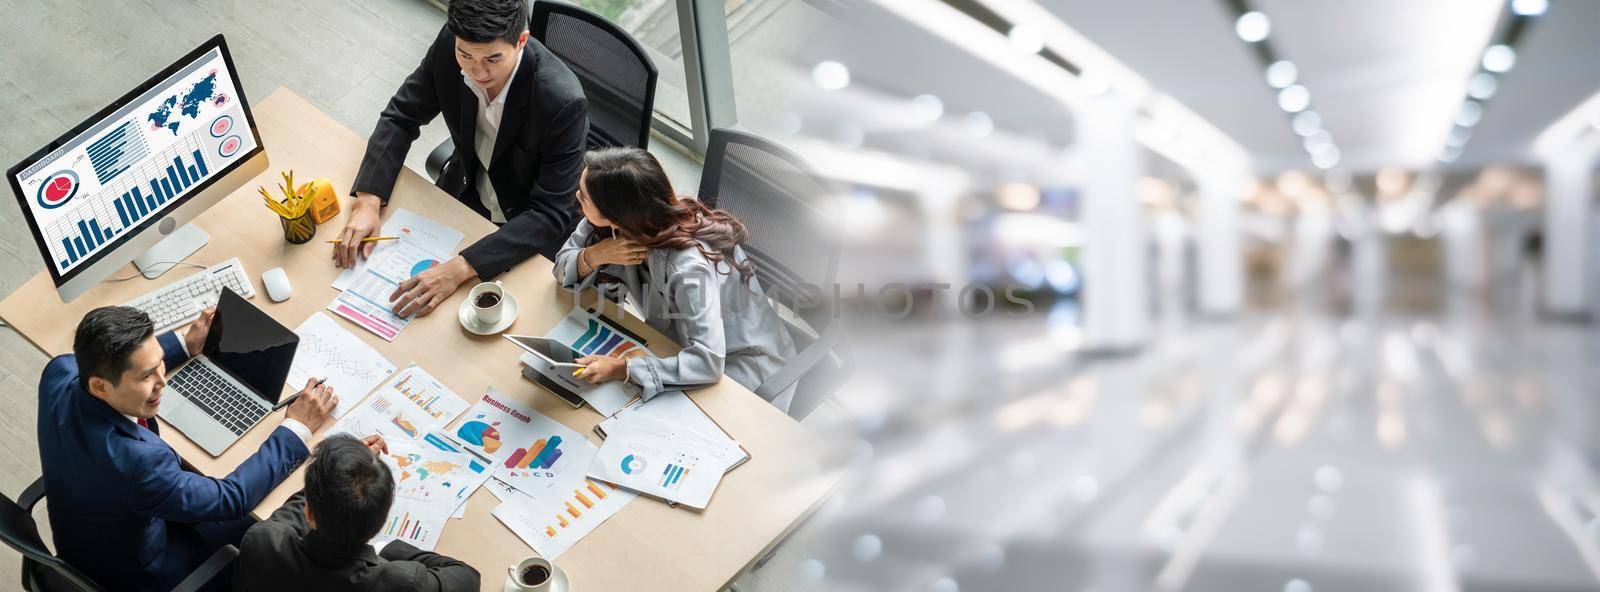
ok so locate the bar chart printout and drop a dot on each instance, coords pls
(552, 523)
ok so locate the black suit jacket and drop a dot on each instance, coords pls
(537, 159)
(283, 553)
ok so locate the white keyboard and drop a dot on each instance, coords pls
(178, 303)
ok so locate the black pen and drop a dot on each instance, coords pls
(286, 402)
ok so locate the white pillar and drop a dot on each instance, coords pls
(1217, 237)
(944, 246)
(1569, 188)
(1116, 257)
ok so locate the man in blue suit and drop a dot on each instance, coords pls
(122, 508)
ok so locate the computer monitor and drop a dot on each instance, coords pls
(117, 184)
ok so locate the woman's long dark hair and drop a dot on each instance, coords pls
(628, 187)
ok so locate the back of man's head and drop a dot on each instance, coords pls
(348, 489)
(106, 338)
(482, 21)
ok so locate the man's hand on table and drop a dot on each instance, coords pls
(314, 407)
(422, 293)
(376, 444)
(362, 223)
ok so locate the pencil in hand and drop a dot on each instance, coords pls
(370, 239)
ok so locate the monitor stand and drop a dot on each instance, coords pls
(171, 250)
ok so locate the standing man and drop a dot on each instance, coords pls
(318, 539)
(122, 508)
(518, 119)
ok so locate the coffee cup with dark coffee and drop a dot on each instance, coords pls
(535, 574)
(488, 303)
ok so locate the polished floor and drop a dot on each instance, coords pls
(1453, 449)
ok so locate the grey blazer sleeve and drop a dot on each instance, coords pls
(566, 267)
(696, 309)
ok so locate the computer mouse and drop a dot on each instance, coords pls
(277, 284)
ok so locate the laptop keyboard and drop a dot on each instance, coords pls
(213, 393)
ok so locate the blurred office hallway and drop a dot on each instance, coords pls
(1310, 295)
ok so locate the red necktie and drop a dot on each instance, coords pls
(145, 423)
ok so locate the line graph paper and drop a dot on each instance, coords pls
(351, 366)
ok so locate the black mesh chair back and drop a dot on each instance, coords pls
(42, 571)
(789, 212)
(618, 77)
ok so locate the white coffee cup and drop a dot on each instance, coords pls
(487, 313)
(522, 577)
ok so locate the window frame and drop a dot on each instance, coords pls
(708, 74)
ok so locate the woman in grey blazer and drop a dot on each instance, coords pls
(678, 263)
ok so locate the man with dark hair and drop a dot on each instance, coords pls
(518, 119)
(318, 539)
(122, 509)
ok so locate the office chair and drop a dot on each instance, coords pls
(618, 77)
(42, 571)
(794, 244)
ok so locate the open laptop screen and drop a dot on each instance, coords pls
(250, 345)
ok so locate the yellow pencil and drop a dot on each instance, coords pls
(579, 372)
(370, 239)
(277, 208)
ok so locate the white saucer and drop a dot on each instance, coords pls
(471, 324)
(558, 582)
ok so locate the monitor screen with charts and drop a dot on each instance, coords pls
(97, 188)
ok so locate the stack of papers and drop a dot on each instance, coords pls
(539, 465)
(352, 368)
(552, 523)
(664, 460)
(677, 409)
(407, 410)
(366, 288)
(409, 226)
(430, 486)
(409, 405)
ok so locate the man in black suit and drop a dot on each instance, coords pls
(318, 539)
(518, 119)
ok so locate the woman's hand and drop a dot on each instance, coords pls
(598, 369)
(616, 251)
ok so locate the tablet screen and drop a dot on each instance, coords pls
(551, 350)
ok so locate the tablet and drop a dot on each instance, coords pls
(552, 351)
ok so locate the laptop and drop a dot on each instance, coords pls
(236, 379)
